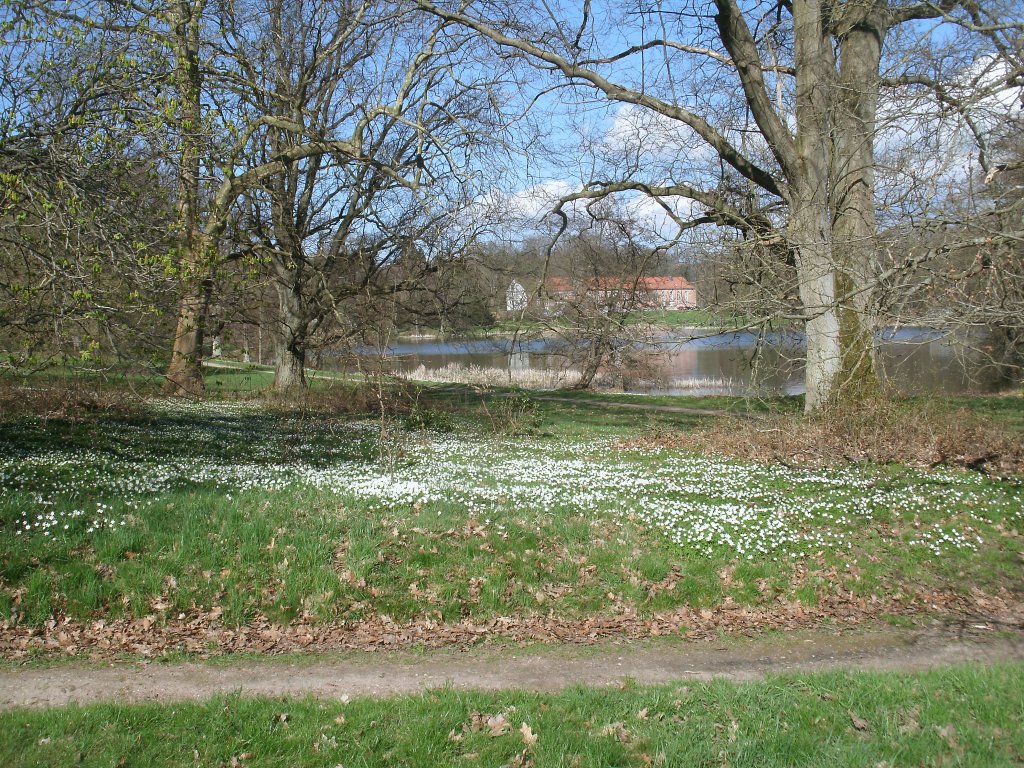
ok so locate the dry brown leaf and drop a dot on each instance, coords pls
(909, 723)
(529, 737)
(616, 729)
(859, 722)
(497, 725)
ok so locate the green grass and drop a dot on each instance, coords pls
(243, 379)
(187, 508)
(686, 318)
(1006, 410)
(968, 715)
(786, 404)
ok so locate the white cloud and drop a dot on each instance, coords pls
(927, 153)
(527, 206)
(520, 213)
(534, 203)
(636, 130)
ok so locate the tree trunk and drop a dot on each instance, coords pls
(810, 223)
(185, 373)
(597, 348)
(861, 32)
(290, 371)
(809, 238)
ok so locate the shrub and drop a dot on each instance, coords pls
(72, 399)
(512, 415)
(879, 431)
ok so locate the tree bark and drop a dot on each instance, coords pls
(809, 238)
(290, 370)
(588, 372)
(810, 223)
(860, 30)
(185, 373)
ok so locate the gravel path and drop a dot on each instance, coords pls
(544, 669)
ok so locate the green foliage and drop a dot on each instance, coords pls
(513, 414)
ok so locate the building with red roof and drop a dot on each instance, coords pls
(639, 293)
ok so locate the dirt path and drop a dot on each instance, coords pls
(544, 670)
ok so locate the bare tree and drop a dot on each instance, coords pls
(593, 296)
(801, 138)
(323, 66)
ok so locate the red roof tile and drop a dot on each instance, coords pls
(565, 285)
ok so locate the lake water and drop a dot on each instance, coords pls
(914, 360)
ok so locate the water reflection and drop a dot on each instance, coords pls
(914, 360)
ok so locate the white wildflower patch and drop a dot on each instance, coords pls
(704, 505)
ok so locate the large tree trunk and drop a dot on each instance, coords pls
(809, 238)
(810, 222)
(860, 29)
(290, 371)
(185, 373)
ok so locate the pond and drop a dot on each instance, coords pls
(915, 360)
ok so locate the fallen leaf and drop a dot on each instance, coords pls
(497, 725)
(859, 722)
(616, 729)
(529, 737)
(909, 723)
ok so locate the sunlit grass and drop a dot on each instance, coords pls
(191, 507)
(968, 715)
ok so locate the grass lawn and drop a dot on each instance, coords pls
(666, 319)
(968, 715)
(686, 318)
(234, 512)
